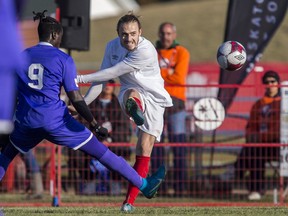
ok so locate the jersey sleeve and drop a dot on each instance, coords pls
(106, 63)
(70, 76)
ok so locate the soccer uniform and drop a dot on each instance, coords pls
(137, 69)
(10, 48)
(40, 113)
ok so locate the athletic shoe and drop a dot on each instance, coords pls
(134, 111)
(254, 196)
(153, 182)
(127, 208)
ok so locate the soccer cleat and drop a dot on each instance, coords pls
(153, 182)
(127, 208)
(134, 111)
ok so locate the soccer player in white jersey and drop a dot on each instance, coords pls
(142, 95)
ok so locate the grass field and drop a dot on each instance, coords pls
(197, 211)
(200, 26)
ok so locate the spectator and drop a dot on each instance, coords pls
(34, 175)
(142, 96)
(263, 127)
(174, 63)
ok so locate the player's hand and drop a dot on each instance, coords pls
(80, 79)
(73, 112)
(100, 132)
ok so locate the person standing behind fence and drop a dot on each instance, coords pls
(41, 114)
(174, 64)
(263, 127)
(34, 175)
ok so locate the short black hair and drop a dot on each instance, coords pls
(271, 73)
(47, 25)
(130, 17)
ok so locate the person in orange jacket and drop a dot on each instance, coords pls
(263, 126)
(174, 64)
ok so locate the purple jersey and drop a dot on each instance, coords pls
(46, 70)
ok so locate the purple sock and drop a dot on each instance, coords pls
(6, 156)
(112, 161)
(94, 148)
(120, 165)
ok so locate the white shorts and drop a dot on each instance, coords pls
(153, 114)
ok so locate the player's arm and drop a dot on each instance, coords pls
(82, 108)
(106, 74)
(96, 87)
(93, 92)
(75, 97)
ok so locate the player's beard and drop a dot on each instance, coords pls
(130, 45)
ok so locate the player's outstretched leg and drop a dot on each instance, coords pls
(7, 155)
(142, 168)
(149, 188)
(134, 109)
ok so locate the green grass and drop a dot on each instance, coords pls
(197, 211)
(200, 26)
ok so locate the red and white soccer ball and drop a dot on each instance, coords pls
(231, 55)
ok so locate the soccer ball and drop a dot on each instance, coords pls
(231, 55)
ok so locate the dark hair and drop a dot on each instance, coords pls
(47, 25)
(130, 17)
(270, 73)
(111, 81)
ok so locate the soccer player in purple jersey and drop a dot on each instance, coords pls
(41, 114)
(10, 48)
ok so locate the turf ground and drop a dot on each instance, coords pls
(200, 27)
(89, 211)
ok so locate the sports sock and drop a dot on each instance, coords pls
(112, 161)
(142, 167)
(138, 102)
(94, 148)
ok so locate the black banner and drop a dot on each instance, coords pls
(252, 23)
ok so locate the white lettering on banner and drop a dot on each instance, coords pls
(284, 130)
(272, 6)
(255, 32)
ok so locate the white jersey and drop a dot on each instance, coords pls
(138, 69)
(146, 76)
